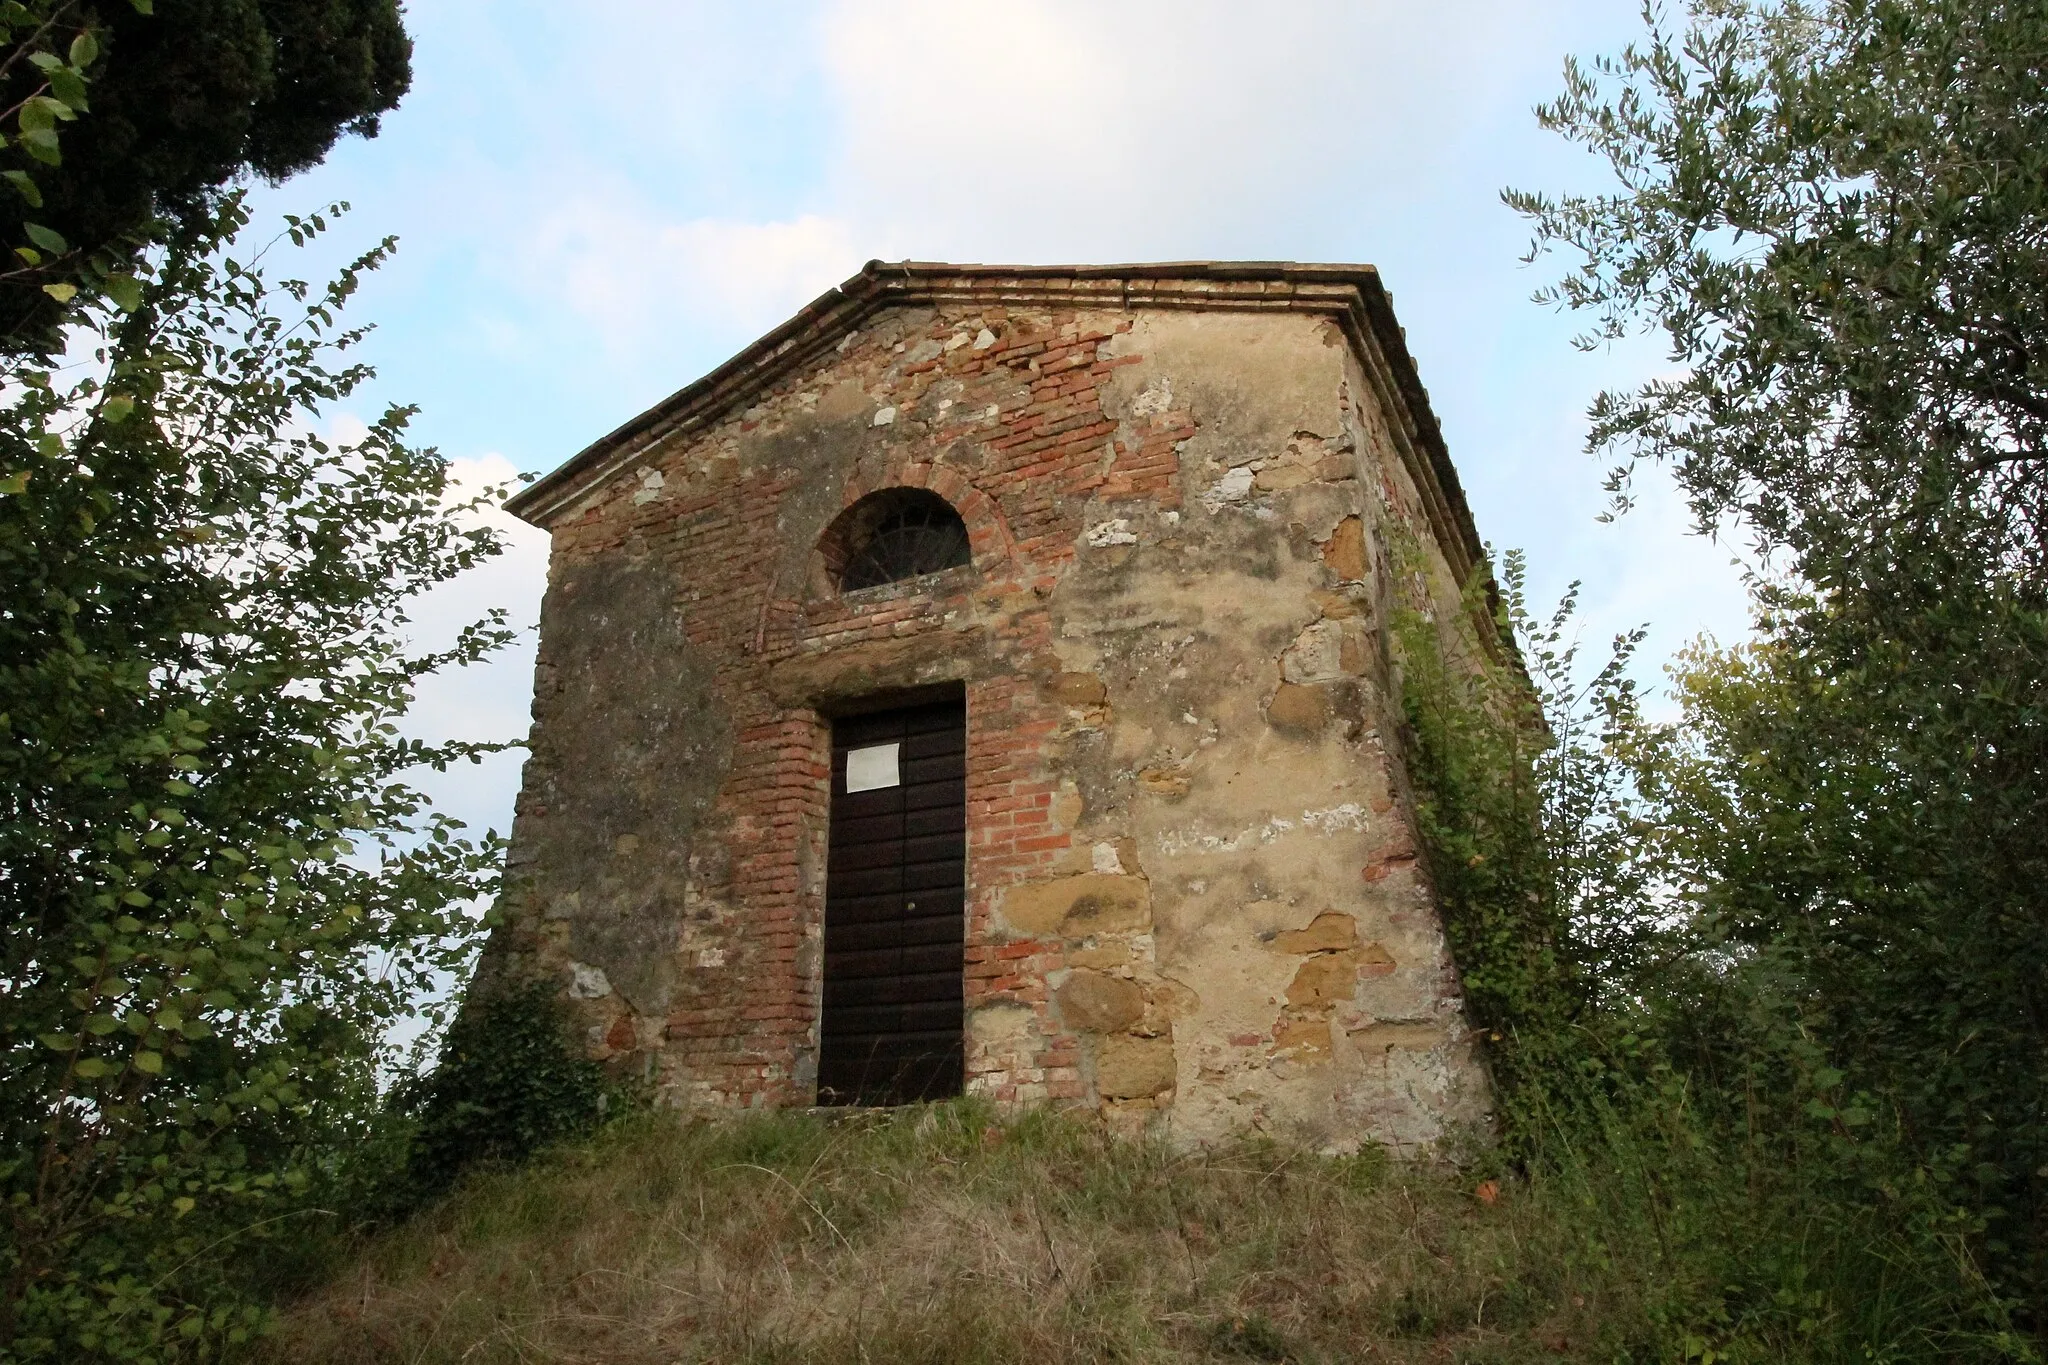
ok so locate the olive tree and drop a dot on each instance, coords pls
(1835, 213)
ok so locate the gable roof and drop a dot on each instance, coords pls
(1351, 295)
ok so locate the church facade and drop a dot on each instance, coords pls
(982, 683)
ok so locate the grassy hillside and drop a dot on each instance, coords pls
(949, 1234)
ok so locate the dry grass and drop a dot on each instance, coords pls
(943, 1234)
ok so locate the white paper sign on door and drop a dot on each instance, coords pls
(872, 768)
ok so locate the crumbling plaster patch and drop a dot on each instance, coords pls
(1194, 631)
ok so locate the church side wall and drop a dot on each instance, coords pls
(1194, 893)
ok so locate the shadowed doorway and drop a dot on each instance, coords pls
(895, 908)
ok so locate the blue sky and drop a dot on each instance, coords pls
(596, 203)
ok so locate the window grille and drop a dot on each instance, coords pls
(912, 532)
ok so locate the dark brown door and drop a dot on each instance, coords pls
(895, 908)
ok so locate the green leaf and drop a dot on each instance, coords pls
(63, 293)
(125, 291)
(67, 85)
(25, 185)
(100, 1025)
(116, 410)
(92, 1068)
(144, 6)
(85, 49)
(16, 482)
(46, 238)
(42, 145)
(58, 1042)
(41, 114)
(150, 1062)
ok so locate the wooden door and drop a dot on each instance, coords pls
(895, 908)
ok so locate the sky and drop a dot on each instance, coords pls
(597, 203)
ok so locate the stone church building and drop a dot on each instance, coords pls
(981, 683)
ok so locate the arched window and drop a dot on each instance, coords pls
(895, 534)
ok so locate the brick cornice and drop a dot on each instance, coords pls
(1351, 295)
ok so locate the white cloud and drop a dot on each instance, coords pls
(1140, 130)
(629, 274)
(486, 701)
(345, 429)
(1032, 131)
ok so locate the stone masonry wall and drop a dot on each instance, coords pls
(1194, 892)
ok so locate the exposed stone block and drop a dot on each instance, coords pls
(1129, 1068)
(1164, 782)
(1304, 1039)
(1335, 606)
(1076, 689)
(1278, 478)
(1094, 1003)
(1345, 553)
(1325, 651)
(1327, 932)
(1099, 958)
(1298, 709)
(1075, 907)
(1397, 1038)
(1324, 979)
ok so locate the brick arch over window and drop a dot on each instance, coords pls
(892, 535)
(988, 536)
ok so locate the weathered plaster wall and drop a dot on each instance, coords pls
(1194, 892)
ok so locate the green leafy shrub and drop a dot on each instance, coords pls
(1653, 1069)
(218, 888)
(508, 1083)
